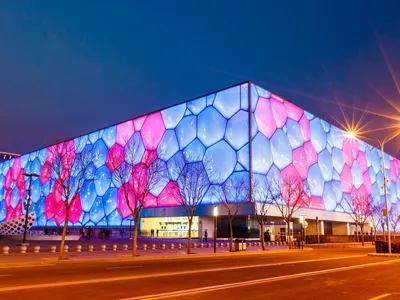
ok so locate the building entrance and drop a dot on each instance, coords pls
(168, 227)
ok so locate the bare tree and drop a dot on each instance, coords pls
(288, 196)
(192, 184)
(377, 216)
(68, 168)
(261, 202)
(232, 195)
(137, 178)
(394, 219)
(359, 209)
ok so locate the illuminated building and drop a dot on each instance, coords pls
(285, 141)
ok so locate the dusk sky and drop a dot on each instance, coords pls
(71, 67)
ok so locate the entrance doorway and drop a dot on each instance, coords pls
(169, 227)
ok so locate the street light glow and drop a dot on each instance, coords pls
(350, 134)
(215, 211)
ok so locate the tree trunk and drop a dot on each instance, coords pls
(189, 235)
(288, 234)
(362, 235)
(64, 233)
(135, 233)
(262, 234)
(230, 234)
(394, 235)
(357, 239)
(375, 234)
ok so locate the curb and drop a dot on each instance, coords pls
(54, 261)
(384, 254)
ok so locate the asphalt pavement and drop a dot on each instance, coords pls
(297, 274)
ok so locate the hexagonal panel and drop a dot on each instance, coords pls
(367, 182)
(152, 131)
(102, 180)
(93, 137)
(224, 161)
(156, 185)
(186, 131)
(134, 149)
(300, 162)
(173, 115)
(264, 117)
(194, 151)
(97, 211)
(350, 150)
(294, 133)
(346, 178)
(305, 128)
(337, 160)
(228, 101)
(124, 132)
(325, 164)
(294, 112)
(197, 105)
(331, 196)
(170, 196)
(262, 156)
(357, 174)
(210, 195)
(115, 157)
(123, 207)
(279, 112)
(138, 122)
(168, 145)
(211, 126)
(75, 210)
(114, 219)
(88, 195)
(100, 152)
(318, 135)
(175, 165)
(237, 132)
(281, 150)
(315, 180)
(109, 136)
(244, 157)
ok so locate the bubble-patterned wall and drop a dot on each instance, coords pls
(286, 141)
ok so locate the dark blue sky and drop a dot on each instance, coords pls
(70, 67)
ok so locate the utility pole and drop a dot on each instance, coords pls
(28, 205)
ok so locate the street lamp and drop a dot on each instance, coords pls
(215, 213)
(371, 224)
(27, 205)
(303, 224)
(353, 135)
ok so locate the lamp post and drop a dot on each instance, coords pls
(27, 205)
(303, 223)
(215, 213)
(371, 224)
(353, 135)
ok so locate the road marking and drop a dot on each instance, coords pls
(133, 277)
(182, 293)
(5, 275)
(209, 261)
(380, 296)
(37, 265)
(123, 267)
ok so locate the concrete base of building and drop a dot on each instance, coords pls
(41, 237)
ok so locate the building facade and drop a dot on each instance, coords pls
(249, 132)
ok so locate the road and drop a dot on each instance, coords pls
(309, 274)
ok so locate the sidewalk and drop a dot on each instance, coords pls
(341, 245)
(45, 257)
